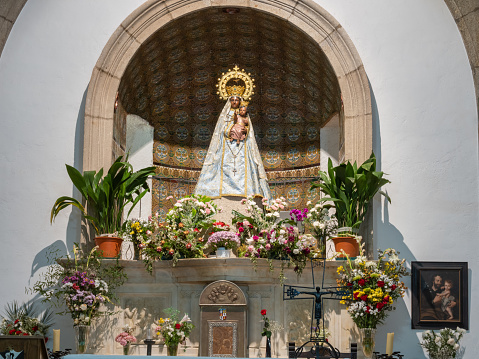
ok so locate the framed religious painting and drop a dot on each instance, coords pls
(439, 295)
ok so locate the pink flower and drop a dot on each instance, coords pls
(267, 246)
(274, 208)
(207, 210)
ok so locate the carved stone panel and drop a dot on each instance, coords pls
(222, 292)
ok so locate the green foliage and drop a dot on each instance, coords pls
(25, 319)
(106, 197)
(351, 189)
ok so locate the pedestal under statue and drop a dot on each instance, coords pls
(233, 165)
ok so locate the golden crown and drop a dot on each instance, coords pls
(235, 90)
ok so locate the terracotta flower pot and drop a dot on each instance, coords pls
(110, 247)
(348, 244)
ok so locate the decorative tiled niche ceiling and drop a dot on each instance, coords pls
(171, 83)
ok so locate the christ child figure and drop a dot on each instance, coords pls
(240, 128)
(447, 298)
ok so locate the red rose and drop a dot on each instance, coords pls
(241, 229)
(368, 308)
(380, 305)
(250, 226)
(386, 299)
(393, 287)
(196, 230)
(355, 295)
(349, 284)
(11, 332)
(25, 333)
(46, 339)
(35, 328)
(18, 332)
(188, 245)
(364, 298)
(380, 283)
(16, 321)
(361, 282)
(263, 311)
(76, 287)
(177, 326)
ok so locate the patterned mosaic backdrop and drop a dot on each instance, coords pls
(171, 82)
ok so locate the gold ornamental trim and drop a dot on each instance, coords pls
(225, 90)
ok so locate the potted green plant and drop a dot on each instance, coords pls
(351, 189)
(105, 199)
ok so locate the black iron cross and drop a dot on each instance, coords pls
(319, 293)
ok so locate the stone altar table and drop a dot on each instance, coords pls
(144, 296)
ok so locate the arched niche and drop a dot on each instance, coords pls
(223, 323)
(356, 119)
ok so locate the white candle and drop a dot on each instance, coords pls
(148, 334)
(56, 340)
(389, 344)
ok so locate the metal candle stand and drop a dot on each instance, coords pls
(149, 343)
(395, 355)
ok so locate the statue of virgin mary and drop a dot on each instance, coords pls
(233, 165)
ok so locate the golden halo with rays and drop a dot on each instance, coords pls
(226, 90)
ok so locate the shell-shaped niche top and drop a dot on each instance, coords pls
(235, 83)
(222, 292)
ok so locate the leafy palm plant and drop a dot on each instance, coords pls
(351, 188)
(106, 197)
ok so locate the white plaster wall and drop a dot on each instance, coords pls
(425, 134)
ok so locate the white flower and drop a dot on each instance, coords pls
(450, 341)
(322, 226)
(282, 231)
(178, 204)
(83, 306)
(316, 224)
(456, 346)
(296, 251)
(308, 203)
(437, 339)
(276, 214)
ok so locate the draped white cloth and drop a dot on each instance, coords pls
(232, 169)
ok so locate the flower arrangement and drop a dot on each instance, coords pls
(444, 344)
(266, 332)
(140, 232)
(219, 226)
(321, 224)
(195, 211)
(229, 240)
(83, 284)
(374, 285)
(179, 236)
(24, 320)
(298, 215)
(284, 243)
(126, 337)
(173, 330)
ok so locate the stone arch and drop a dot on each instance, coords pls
(152, 15)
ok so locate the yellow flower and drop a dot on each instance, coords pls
(132, 232)
(340, 269)
(161, 321)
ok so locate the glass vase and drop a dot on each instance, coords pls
(172, 350)
(126, 349)
(81, 338)
(367, 341)
(322, 247)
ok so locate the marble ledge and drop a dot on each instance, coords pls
(238, 270)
